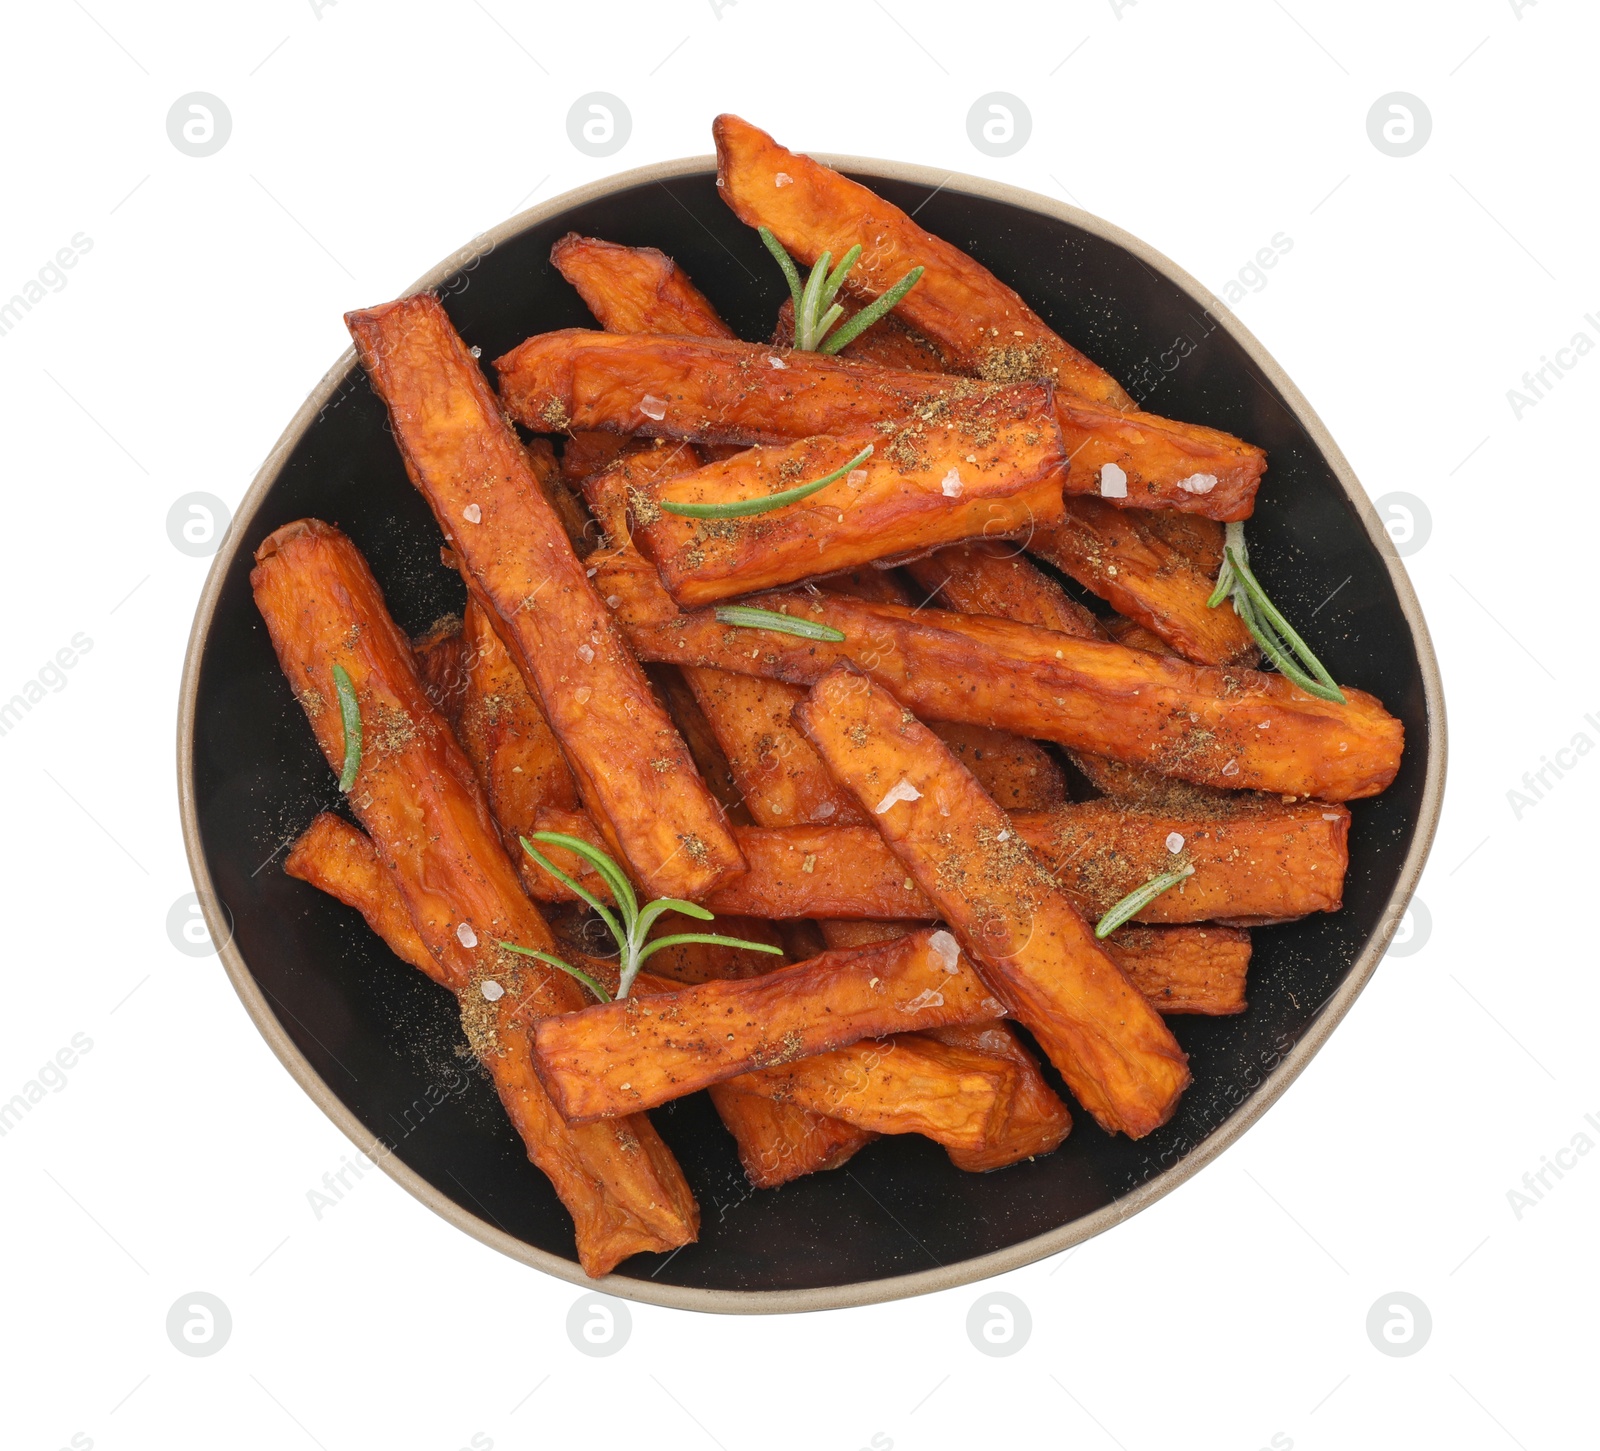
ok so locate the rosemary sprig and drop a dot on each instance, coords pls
(350, 714)
(743, 508)
(752, 619)
(1138, 899)
(1274, 634)
(815, 311)
(636, 921)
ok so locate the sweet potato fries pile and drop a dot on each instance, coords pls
(782, 637)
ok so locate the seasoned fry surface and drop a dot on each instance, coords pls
(1201, 724)
(907, 1084)
(1000, 901)
(1251, 859)
(642, 1051)
(1198, 970)
(989, 466)
(631, 766)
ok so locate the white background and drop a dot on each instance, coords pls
(370, 141)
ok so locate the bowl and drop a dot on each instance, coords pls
(375, 1044)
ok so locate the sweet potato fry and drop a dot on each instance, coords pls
(546, 469)
(1193, 970)
(1000, 900)
(506, 736)
(1190, 970)
(903, 1085)
(690, 719)
(416, 795)
(639, 1052)
(715, 391)
(982, 577)
(1037, 1120)
(782, 780)
(339, 859)
(635, 289)
(781, 1142)
(632, 768)
(987, 466)
(1146, 579)
(441, 662)
(1271, 861)
(1020, 774)
(586, 453)
(984, 324)
(1202, 724)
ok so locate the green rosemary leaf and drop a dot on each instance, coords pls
(713, 938)
(1138, 899)
(751, 619)
(647, 917)
(1306, 665)
(790, 272)
(1225, 585)
(827, 320)
(566, 967)
(835, 279)
(583, 892)
(612, 874)
(805, 320)
(871, 313)
(744, 508)
(350, 714)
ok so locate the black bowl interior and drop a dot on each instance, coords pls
(384, 1039)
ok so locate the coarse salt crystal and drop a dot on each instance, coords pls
(824, 811)
(590, 573)
(783, 179)
(1330, 815)
(476, 351)
(946, 948)
(465, 935)
(774, 361)
(972, 458)
(653, 407)
(472, 514)
(1113, 482)
(1198, 483)
(995, 1006)
(1231, 769)
(582, 694)
(927, 998)
(902, 791)
(1004, 835)
(491, 990)
(1174, 841)
(586, 654)
(856, 478)
(950, 485)
(613, 600)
